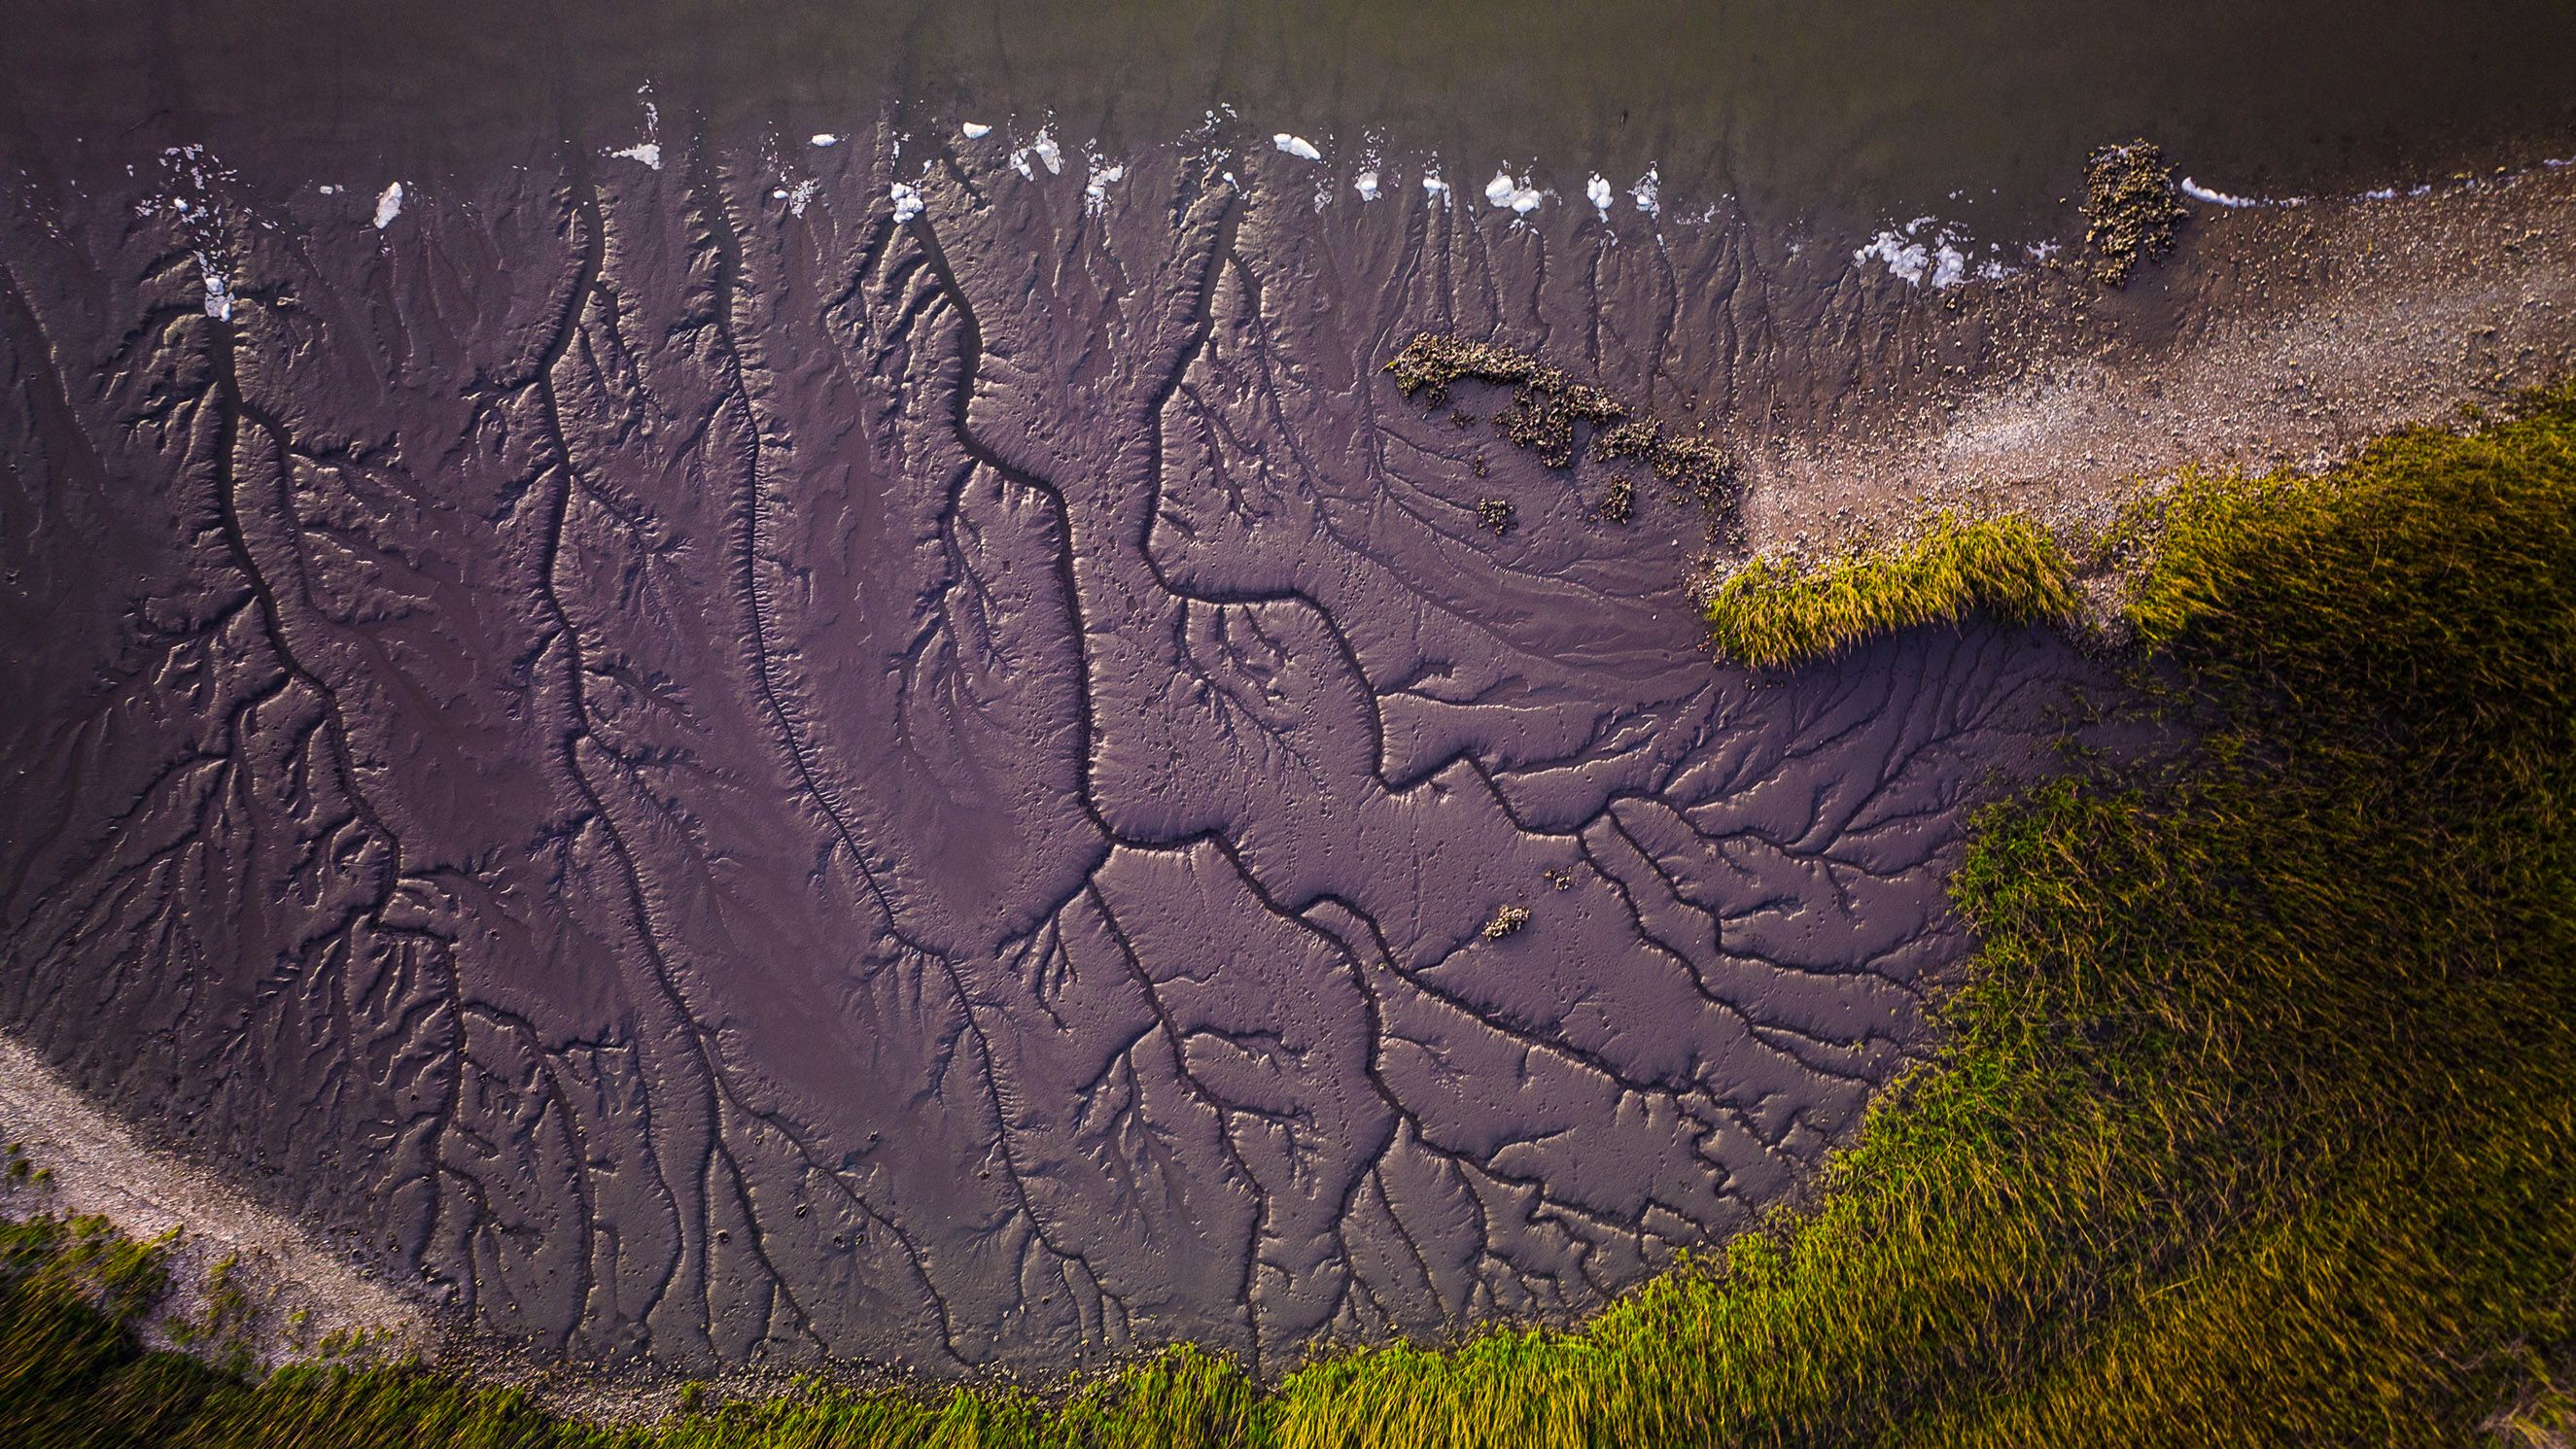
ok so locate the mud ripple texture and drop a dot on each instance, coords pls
(715, 782)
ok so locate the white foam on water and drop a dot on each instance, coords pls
(648, 150)
(907, 201)
(1095, 191)
(1209, 134)
(1938, 263)
(389, 204)
(1906, 259)
(823, 138)
(1372, 163)
(1597, 190)
(2198, 192)
(219, 293)
(1045, 150)
(201, 167)
(1297, 146)
(975, 130)
(1516, 193)
(1648, 193)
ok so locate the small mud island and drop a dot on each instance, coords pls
(749, 784)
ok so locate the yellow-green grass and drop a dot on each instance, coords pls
(1773, 613)
(2255, 1122)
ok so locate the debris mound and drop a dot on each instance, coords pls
(2131, 208)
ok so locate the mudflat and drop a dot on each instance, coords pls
(731, 745)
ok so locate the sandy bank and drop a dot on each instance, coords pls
(2274, 335)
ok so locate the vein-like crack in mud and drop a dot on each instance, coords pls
(729, 781)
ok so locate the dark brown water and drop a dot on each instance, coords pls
(1852, 110)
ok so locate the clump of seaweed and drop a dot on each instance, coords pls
(1546, 401)
(1619, 500)
(2131, 208)
(1542, 415)
(1772, 613)
(1546, 404)
(1434, 360)
(1697, 468)
(1507, 921)
(1496, 515)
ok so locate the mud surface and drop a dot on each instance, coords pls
(733, 782)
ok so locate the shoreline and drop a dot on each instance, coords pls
(299, 1292)
(2280, 336)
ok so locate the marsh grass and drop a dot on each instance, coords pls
(2255, 1122)
(1772, 614)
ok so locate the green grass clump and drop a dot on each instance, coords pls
(2255, 1122)
(1772, 613)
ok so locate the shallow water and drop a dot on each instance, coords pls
(1856, 111)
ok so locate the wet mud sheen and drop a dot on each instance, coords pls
(715, 781)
